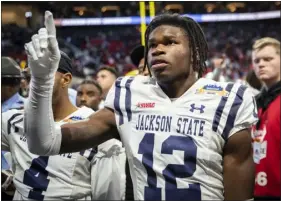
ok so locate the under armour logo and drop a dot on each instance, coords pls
(196, 108)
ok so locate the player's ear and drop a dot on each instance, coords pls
(66, 80)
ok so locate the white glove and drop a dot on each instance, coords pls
(43, 51)
(43, 60)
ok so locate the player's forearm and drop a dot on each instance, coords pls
(42, 136)
(86, 134)
(239, 178)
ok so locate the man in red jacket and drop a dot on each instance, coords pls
(266, 134)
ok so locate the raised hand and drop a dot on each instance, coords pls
(43, 50)
(220, 62)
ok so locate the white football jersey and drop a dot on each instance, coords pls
(175, 147)
(108, 171)
(65, 176)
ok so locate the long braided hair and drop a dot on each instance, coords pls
(197, 40)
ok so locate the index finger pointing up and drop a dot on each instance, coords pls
(51, 29)
(50, 24)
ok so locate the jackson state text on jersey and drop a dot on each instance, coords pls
(175, 147)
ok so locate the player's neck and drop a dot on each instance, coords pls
(176, 89)
(63, 108)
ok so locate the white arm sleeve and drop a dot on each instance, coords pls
(43, 137)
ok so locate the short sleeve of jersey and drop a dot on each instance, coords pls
(119, 99)
(119, 93)
(247, 114)
(4, 134)
(7, 117)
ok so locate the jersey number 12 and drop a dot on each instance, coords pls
(172, 171)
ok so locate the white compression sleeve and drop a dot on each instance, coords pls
(43, 137)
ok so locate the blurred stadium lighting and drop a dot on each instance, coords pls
(28, 14)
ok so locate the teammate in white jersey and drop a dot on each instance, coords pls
(108, 174)
(186, 138)
(60, 177)
(65, 176)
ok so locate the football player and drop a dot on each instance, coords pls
(108, 164)
(182, 143)
(64, 176)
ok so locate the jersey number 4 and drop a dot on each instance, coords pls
(172, 171)
(36, 175)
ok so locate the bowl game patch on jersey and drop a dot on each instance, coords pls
(212, 89)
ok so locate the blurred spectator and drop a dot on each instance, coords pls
(89, 94)
(106, 76)
(219, 65)
(10, 78)
(266, 133)
(10, 99)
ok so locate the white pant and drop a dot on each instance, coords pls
(108, 172)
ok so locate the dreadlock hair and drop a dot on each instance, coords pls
(197, 41)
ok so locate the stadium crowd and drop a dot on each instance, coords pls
(91, 47)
